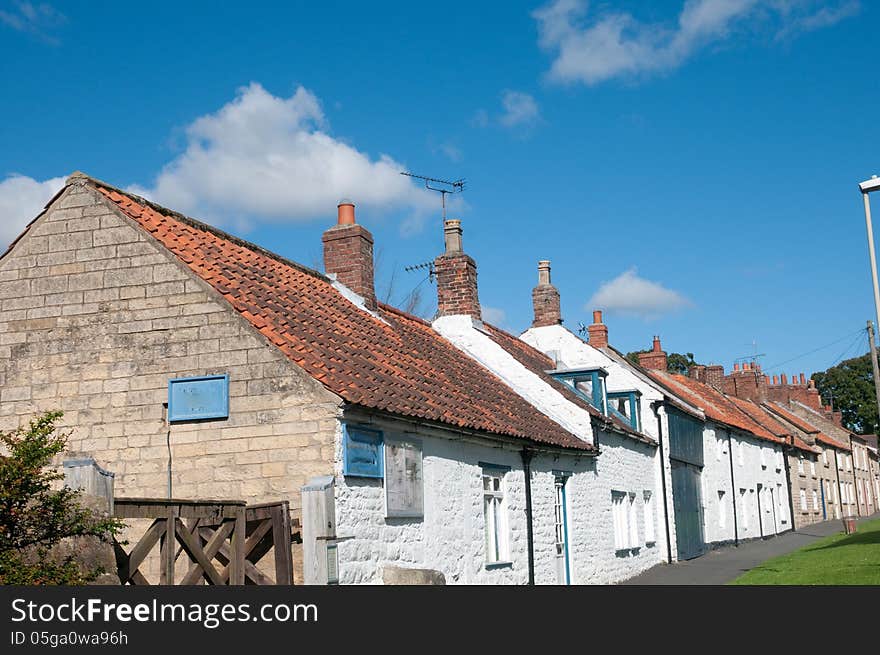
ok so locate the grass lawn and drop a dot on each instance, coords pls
(837, 560)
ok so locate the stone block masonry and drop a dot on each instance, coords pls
(95, 317)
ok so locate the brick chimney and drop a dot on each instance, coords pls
(714, 375)
(348, 253)
(746, 382)
(598, 331)
(697, 372)
(545, 299)
(655, 358)
(456, 276)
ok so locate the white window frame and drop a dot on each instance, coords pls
(800, 463)
(743, 509)
(803, 495)
(620, 518)
(783, 518)
(722, 509)
(633, 522)
(813, 467)
(496, 527)
(815, 500)
(650, 535)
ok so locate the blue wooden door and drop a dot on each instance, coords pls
(688, 510)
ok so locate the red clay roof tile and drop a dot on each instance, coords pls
(395, 363)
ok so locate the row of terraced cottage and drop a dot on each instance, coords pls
(450, 446)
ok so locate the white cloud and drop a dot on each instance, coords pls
(632, 295)
(519, 109)
(493, 315)
(35, 19)
(267, 158)
(21, 199)
(615, 44)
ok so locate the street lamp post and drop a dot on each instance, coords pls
(866, 188)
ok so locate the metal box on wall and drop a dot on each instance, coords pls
(199, 398)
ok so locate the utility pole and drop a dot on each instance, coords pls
(874, 365)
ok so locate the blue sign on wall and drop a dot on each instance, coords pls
(362, 452)
(191, 399)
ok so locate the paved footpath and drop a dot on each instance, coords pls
(725, 564)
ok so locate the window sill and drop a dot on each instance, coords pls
(626, 552)
(650, 544)
(490, 566)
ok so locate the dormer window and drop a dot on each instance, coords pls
(627, 406)
(589, 384)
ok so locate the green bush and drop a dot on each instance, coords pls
(34, 517)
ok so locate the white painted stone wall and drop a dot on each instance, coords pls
(572, 352)
(450, 537)
(466, 334)
(748, 473)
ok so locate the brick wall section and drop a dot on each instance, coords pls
(96, 317)
(457, 285)
(545, 301)
(348, 252)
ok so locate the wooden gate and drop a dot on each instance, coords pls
(223, 541)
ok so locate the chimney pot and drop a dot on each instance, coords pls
(452, 235)
(597, 317)
(656, 346)
(345, 213)
(736, 367)
(783, 379)
(544, 271)
(775, 379)
(803, 380)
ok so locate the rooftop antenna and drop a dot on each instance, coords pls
(753, 357)
(582, 329)
(429, 266)
(441, 186)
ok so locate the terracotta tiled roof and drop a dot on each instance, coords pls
(719, 407)
(393, 362)
(539, 363)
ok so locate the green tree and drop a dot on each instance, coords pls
(34, 516)
(675, 362)
(849, 388)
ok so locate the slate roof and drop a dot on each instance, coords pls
(392, 362)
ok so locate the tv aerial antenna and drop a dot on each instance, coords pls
(428, 266)
(443, 187)
(753, 357)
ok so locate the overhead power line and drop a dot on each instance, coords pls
(858, 332)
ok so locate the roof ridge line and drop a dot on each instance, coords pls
(199, 225)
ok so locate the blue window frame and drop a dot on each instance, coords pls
(362, 452)
(626, 405)
(589, 384)
(197, 399)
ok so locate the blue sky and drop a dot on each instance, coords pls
(690, 167)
